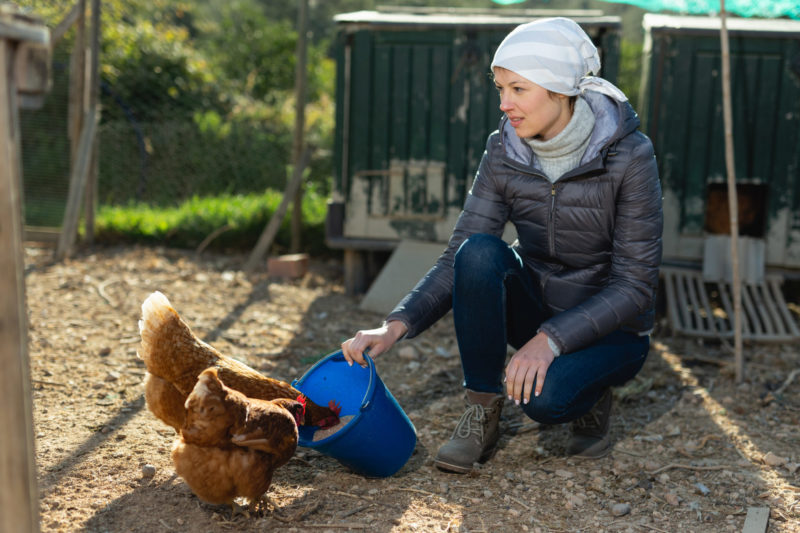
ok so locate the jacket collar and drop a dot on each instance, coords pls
(613, 121)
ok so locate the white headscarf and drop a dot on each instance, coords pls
(555, 53)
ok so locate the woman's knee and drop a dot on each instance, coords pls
(546, 409)
(481, 251)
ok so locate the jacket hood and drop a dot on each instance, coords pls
(613, 121)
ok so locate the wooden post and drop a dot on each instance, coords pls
(274, 224)
(733, 204)
(77, 183)
(93, 87)
(19, 502)
(76, 104)
(81, 165)
(300, 83)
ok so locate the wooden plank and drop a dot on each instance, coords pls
(672, 299)
(19, 502)
(20, 29)
(67, 22)
(766, 297)
(77, 183)
(756, 520)
(761, 307)
(683, 303)
(271, 229)
(787, 316)
(750, 314)
(694, 309)
(712, 318)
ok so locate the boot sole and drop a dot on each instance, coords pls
(460, 469)
(592, 453)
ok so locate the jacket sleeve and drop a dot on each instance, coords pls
(635, 259)
(485, 211)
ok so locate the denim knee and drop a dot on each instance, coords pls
(481, 253)
(546, 409)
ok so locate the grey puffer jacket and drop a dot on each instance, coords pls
(592, 239)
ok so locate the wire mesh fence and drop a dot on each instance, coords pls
(46, 149)
(168, 130)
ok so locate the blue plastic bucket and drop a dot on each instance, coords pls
(380, 438)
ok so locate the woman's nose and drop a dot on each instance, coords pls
(505, 105)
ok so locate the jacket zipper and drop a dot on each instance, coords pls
(551, 232)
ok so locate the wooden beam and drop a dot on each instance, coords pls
(93, 90)
(77, 183)
(21, 28)
(67, 22)
(271, 229)
(19, 501)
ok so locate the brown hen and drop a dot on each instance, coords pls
(230, 445)
(175, 357)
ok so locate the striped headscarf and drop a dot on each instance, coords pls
(555, 53)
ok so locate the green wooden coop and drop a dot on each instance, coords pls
(682, 113)
(414, 105)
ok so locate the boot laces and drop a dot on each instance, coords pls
(471, 422)
(589, 421)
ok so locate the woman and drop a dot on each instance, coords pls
(574, 295)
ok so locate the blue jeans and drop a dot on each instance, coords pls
(496, 302)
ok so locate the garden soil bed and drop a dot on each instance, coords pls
(694, 451)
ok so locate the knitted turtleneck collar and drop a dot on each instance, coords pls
(563, 152)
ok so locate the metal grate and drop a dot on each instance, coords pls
(704, 308)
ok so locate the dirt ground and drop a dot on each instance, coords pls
(694, 450)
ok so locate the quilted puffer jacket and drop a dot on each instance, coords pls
(592, 239)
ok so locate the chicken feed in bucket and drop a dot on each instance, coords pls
(374, 438)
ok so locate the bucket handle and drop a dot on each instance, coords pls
(337, 355)
(367, 401)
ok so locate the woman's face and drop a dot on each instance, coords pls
(530, 108)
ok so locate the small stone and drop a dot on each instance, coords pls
(112, 376)
(671, 498)
(407, 352)
(774, 460)
(104, 351)
(413, 365)
(441, 351)
(702, 488)
(566, 474)
(621, 509)
(487, 493)
(148, 471)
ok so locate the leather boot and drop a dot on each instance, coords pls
(590, 437)
(476, 434)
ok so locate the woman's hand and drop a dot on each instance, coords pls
(528, 367)
(376, 340)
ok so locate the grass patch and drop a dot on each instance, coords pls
(185, 226)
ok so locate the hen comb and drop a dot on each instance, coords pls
(302, 400)
(335, 407)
